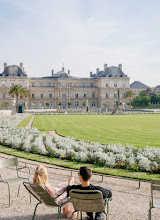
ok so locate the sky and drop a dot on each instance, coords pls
(83, 35)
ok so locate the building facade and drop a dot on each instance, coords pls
(61, 90)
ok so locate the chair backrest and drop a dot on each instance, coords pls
(5, 163)
(40, 194)
(155, 185)
(87, 200)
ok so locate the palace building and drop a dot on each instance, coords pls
(63, 90)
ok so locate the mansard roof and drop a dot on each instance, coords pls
(13, 70)
(138, 85)
(111, 71)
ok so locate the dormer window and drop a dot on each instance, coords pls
(41, 84)
(115, 85)
(107, 84)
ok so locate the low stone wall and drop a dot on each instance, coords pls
(5, 113)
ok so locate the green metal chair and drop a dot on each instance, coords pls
(89, 201)
(13, 162)
(155, 186)
(42, 196)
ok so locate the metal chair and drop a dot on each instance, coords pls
(155, 186)
(42, 196)
(13, 162)
(89, 201)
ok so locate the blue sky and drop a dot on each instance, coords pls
(84, 34)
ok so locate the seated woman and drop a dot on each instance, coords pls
(41, 178)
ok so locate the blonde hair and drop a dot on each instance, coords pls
(40, 175)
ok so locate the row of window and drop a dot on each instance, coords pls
(12, 83)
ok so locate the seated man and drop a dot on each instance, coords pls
(85, 174)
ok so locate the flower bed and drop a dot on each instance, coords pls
(109, 155)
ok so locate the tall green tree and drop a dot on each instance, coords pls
(18, 91)
(130, 94)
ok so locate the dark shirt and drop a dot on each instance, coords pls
(105, 192)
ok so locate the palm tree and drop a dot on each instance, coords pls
(130, 94)
(19, 91)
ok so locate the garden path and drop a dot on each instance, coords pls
(29, 125)
(128, 203)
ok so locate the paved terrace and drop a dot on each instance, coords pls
(128, 203)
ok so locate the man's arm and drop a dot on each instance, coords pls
(106, 192)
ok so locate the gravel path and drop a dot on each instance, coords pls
(29, 125)
(128, 203)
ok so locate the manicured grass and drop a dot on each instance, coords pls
(25, 121)
(77, 165)
(137, 130)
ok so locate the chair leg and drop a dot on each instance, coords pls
(18, 190)
(149, 213)
(72, 214)
(35, 210)
(59, 213)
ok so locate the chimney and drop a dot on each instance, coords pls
(68, 72)
(120, 66)
(5, 65)
(97, 70)
(21, 66)
(90, 74)
(52, 72)
(105, 67)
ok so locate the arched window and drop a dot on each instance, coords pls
(76, 104)
(41, 104)
(33, 105)
(93, 104)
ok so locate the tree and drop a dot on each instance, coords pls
(47, 104)
(105, 104)
(69, 104)
(130, 94)
(84, 104)
(19, 91)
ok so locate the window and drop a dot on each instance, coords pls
(76, 95)
(21, 83)
(41, 96)
(33, 105)
(41, 84)
(32, 84)
(12, 83)
(76, 104)
(107, 95)
(32, 95)
(50, 95)
(93, 104)
(41, 104)
(3, 94)
(3, 83)
(107, 84)
(93, 94)
(49, 84)
(85, 95)
(91, 84)
(115, 94)
(83, 85)
(68, 93)
(123, 95)
(123, 85)
(115, 84)
(63, 95)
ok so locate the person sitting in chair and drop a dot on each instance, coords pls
(85, 174)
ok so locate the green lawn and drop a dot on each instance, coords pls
(137, 130)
